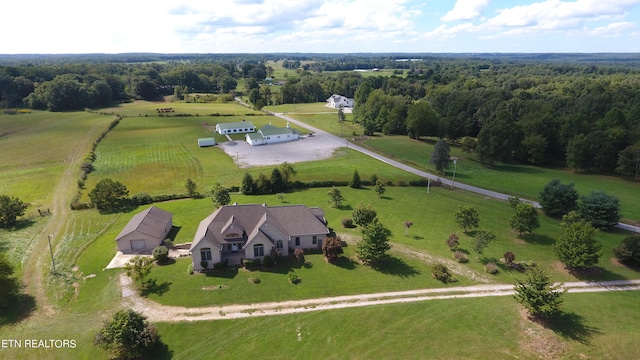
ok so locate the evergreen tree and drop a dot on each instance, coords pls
(355, 182)
(248, 186)
(277, 182)
(600, 209)
(558, 199)
(537, 294)
(440, 157)
(373, 247)
(220, 195)
(191, 188)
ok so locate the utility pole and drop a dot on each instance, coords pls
(453, 182)
(53, 263)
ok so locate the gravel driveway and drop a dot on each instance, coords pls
(307, 148)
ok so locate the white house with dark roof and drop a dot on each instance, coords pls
(252, 231)
(338, 101)
(270, 134)
(145, 231)
(240, 127)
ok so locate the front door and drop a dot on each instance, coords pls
(234, 247)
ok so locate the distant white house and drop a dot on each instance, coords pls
(270, 134)
(204, 142)
(240, 127)
(338, 101)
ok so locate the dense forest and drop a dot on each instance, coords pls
(580, 110)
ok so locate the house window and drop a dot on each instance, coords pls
(258, 250)
(205, 254)
(314, 240)
(279, 244)
(297, 241)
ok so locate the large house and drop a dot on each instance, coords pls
(339, 101)
(239, 127)
(145, 231)
(252, 231)
(270, 134)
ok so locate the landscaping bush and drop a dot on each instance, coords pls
(190, 269)
(204, 265)
(141, 199)
(254, 280)
(628, 252)
(441, 273)
(491, 268)
(251, 263)
(267, 261)
(294, 278)
(220, 266)
(347, 223)
(460, 257)
(453, 241)
(509, 257)
(161, 254)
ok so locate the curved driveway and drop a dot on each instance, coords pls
(424, 174)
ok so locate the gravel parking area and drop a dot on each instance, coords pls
(307, 148)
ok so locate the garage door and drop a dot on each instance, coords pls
(137, 245)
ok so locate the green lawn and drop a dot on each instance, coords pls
(148, 108)
(598, 326)
(301, 108)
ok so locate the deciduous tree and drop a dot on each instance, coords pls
(331, 248)
(10, 209)
(127, 335)
(466, 217)
(220, 195)
(480, 241)
(576, 246)
(628, 252)
(524, 218)
(363, 214)
(138, 268)
(8, 283)
(335, 197)
(379, 188)
(191, 188)
(109, 195)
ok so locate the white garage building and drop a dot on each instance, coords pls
(145, 231)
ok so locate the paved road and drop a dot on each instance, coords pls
(427, 175)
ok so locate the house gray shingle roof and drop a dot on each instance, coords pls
(291, 220)
(151, 221)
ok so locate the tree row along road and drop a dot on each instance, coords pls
(399, 165)
(156, 312)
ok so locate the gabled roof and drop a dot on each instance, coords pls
(235, 125)
(270, 130)
(152, 222)
(291, 220)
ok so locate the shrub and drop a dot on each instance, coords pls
(509, 257)
(441, 273)
(491, 268)
(460, 257)
(628, 252)
(347, 223)
(251, 263)
(127, 335)
(204, 265)
(161, 254)
(254, 280)
(168, 243)
(190, 269)
(453, 242)
(294, 278)
(267, 261)
(221, 265)
(141, 199)
(331, 248)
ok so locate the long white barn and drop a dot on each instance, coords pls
(270, 134)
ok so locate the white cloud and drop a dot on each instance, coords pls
(466, 10)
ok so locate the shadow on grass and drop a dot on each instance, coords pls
(161, 351)
(21, 224)
(595, 274)
(152, 287)
(344, 207)
(537, 239)
(384, 197)
(345, 263)
(19, 308)
(229, 273)
(572, 326)
(416, 237)
(392, 265)
(174, 232)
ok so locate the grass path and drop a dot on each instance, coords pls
(162, 313)
(38, 265)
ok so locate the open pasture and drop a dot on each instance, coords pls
(150, 108)
(302, 108)
(35, 148)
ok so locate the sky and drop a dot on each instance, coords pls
(319, 26)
